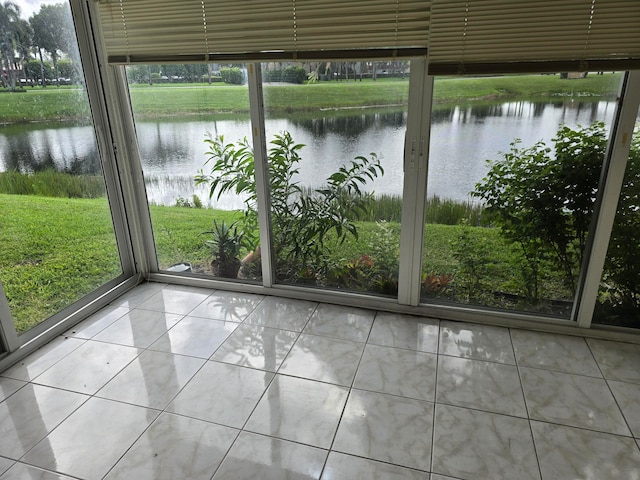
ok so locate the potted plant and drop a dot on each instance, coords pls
(225, 246)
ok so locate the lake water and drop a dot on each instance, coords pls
(462, 139)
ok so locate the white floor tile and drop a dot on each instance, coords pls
(325, 359)
(27, 472)
(9, 386)
(138, 328)
(285, 313)
(550, 351)
(30, 414)
(572, 400)
(255, 346)
(488, 386)
(194, 336)
(299, 410)
(258, 457)
(227, 306)
(176, 299)
(89, 367)
(405, 331)
(340, 466)
(618, 361)
(469, 444)
(175, 447)
(628, 397)
(42, 359)
(398, 372)
(387, 428)
(222, 393)
(337, 321)
(96, 323)
(92, 439)
(477, 342)
(133, 298)
(152, 380)
(566, 452)
(5, 464)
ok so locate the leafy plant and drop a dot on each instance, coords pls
(225, 247)
(543, 199)
(302, 220)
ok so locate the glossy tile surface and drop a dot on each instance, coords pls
(628, 397)
(387, 428)
(88, 367)
(561, 353)
(325, 359)
(567, 452)
(340, 466)
(398, 372)
(469, 444)
(228, 306)
(256, 347)
(103, 426)
(27, 472)
(573, 400)
(42, 359)
(477, 342)
(337, 321)
(257, 456)
(618, 361)
(405, 331)
(96, 322)
(488, 386)
(30, 414)
(138, 328)
(176, 299)
(300, 410)
(285, 313)
(183, 382)
(176, 447)
(194, 336)
(222, 393)
(152, 380)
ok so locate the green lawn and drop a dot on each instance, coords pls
(52, 104)
(56, 250)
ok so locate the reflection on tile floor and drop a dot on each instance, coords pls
(180, 382)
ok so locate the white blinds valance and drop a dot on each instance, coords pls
(148, 31)
(489, 36)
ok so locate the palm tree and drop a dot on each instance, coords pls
(52, 33)
(9, 19)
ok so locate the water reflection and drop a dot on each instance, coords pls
(463, 137)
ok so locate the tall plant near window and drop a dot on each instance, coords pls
(303, 219)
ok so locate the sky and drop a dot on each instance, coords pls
(29, 7)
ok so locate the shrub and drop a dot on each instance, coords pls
(301, 221)
(233, 76)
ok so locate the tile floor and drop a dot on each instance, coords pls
(187, 383)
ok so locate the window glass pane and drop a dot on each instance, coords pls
(619, 295)
(517, 242)
(335, 133)
(57, 242)
(193, 128)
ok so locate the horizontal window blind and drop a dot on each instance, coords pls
(510, 36)
(161, 31)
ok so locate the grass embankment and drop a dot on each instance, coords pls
(55, 250)
(53, 104)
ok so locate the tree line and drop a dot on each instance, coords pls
(24, 43)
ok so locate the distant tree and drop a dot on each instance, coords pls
(53, 33)
(9, 25)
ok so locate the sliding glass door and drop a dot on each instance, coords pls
(57, 237)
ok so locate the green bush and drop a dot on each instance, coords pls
(233, 76)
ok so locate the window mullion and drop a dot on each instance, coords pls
(416, 158)
(261, 159)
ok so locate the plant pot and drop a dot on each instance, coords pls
(226, 269)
